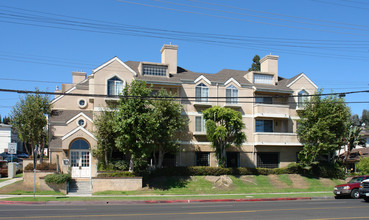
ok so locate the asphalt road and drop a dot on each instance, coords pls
(306, 209)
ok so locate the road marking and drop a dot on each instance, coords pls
(347, 218)
(182, 213)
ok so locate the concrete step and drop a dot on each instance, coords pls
(82, 187)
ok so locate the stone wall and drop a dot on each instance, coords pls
(29, 175)
(116, 184)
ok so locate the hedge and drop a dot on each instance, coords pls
(57, 178)
(43, 166)
(115, 174)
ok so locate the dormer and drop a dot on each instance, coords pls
(268, 71)
(154, 69)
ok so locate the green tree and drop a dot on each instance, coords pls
(6, 120)
(322, 127)
(133, 122)
(354, 138)
(365, 118)
(169, 121)
(28, 118)
(104, 123)
(255, 66)
(363, 165)
(224, 128)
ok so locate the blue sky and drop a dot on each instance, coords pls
(43, 41)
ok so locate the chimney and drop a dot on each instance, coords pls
(78, 77)
(169, 56)
(269, 64)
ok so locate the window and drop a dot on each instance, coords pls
(154, 70)
(81, 122)
(80, 145)
(233, 159)
(231, 95)
(264, 100)
(202, 159)
(263, 79)
(202, 93)
(302, 98)
(268, 160)
(115, 86)
(200, 124)
(82, 103)
(264, 126)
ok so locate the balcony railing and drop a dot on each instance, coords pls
(274, 138)
(272, 110)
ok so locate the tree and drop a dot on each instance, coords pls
(365, 118)
(105, 135)
(255, 66)
(169, 121)
(354, 138)
(322, 127)
(224, 128)
(28, 118)
(133, 122)
(6, 120)
(363, 165)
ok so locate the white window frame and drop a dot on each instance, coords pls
(231, 95)
(202, 128)
(117, 89)
(201, 93)
(302, 98)
(263, 79)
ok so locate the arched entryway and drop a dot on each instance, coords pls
(80, 161)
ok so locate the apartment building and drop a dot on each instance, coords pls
(267, 101)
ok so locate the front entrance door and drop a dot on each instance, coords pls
(80, 163)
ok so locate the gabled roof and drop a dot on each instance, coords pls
(112, 60)
(296, 78)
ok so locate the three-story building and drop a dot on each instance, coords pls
(268, 103)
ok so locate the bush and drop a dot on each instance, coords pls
(43, 166)
(116, 174)
(113, 166)
(57, 178)
(363, 165)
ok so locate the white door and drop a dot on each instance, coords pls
(80, 163)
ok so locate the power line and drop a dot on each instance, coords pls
(341, 94)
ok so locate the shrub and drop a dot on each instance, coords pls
(57, 178)
(113, 166)
(43, 166)
(363, 165)
(116, 174)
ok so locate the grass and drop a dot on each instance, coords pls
(146, 198)
(257, 186)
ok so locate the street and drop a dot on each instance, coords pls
(304, 209)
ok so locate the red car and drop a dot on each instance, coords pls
(349, 189)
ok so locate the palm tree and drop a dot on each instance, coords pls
(354, 138)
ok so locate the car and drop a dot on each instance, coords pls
(3, 168)
(364, 190)
(350, 189)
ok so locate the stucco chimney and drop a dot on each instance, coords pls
(169, 56)
(269, 64)
(78, 77)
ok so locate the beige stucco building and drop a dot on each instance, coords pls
(267, 101)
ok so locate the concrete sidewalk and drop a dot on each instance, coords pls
(10, 181)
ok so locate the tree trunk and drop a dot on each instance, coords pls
(160, 158)
(42, 146)
(131, 163)
(26, 147)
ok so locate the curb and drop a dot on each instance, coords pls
(115, 202)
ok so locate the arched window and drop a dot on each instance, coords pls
(115, 86)
(80, 144)
(202, 93)
(302, 98)
(231, 94)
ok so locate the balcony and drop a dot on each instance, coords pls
(202, 103)
(272, 110)
(274, 138)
